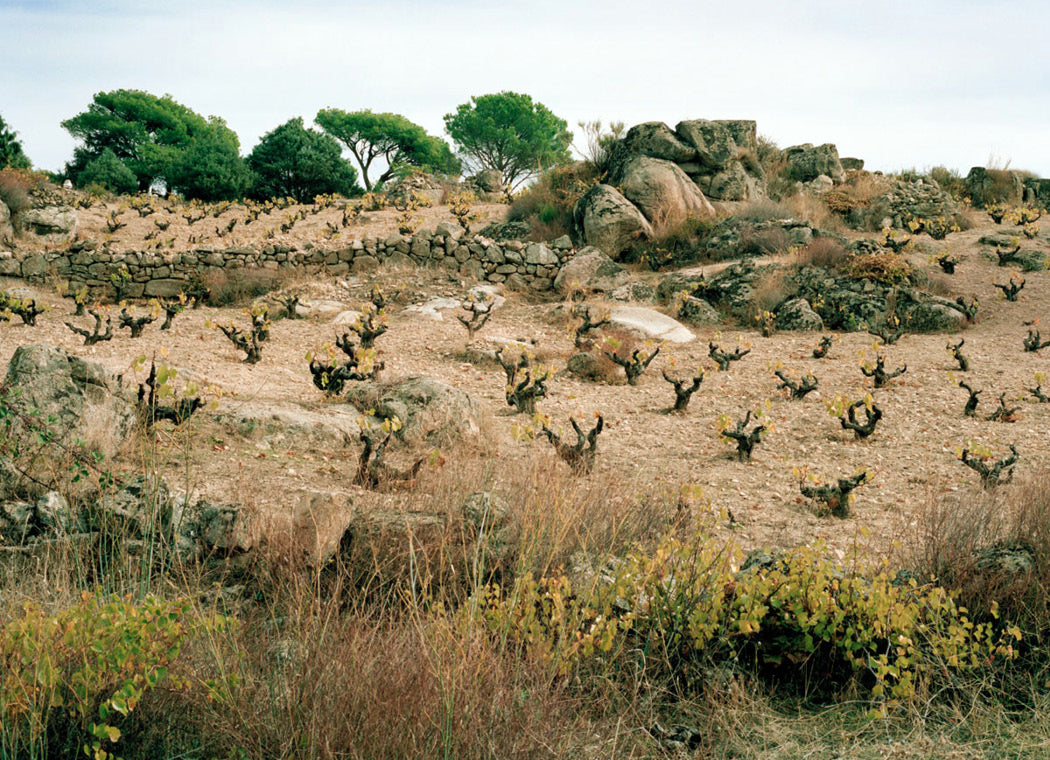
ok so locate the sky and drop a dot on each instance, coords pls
(902, 84)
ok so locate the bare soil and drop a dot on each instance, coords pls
(912, 456)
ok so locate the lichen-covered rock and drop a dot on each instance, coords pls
(731, 183)
(417, 186)
(516, 230)
(797, 314)
(292, 426)
(486, 181)
(1037, 191)
(933, 316)
(697, 311)
(539, 254)
(743, 131)
(661, 190)
(656, 140)
(591, 270)
(609, 221)
(807, 162)
(584, 365)
(638, 292)
(734, 286)
(714, 143)
(7, 231)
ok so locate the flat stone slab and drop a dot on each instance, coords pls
(320, 310)
(333, 427)
(432, 309)
(650, 323)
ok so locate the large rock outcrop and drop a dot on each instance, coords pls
(661, 190)
(714, 143)
(726, 167)
(607, 220)
(719, 157)
(48, 225)
(987, 186)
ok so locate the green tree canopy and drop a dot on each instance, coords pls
(211, 167)
(390, 137)
(295, 161)
(109, 172)
(507, 132)
(11, 154)
(154, 137)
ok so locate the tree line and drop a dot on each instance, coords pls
(131, 140)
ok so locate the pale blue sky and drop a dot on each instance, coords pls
(900, 84)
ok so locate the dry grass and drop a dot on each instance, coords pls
(812, 209)
(768, 242)
(16, 186)
(334, 685)
(954, 534)
(823, 252)
(677, 239)
(771, 291)
(238, 287)
(762, 211)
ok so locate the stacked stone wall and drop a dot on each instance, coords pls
(521, 265)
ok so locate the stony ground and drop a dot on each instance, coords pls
(644, 450)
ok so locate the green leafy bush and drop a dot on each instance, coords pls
(70, 678)
(685, 604)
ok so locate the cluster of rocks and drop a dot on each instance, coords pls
(521, 265)
(986, 186)
(720, 157)
(63, 409)
(905, 200)
(658, 176)
(737, 237)
(811, 298)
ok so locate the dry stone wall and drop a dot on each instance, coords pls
(521, 265)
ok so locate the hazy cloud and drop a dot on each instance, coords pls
(898, 84)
